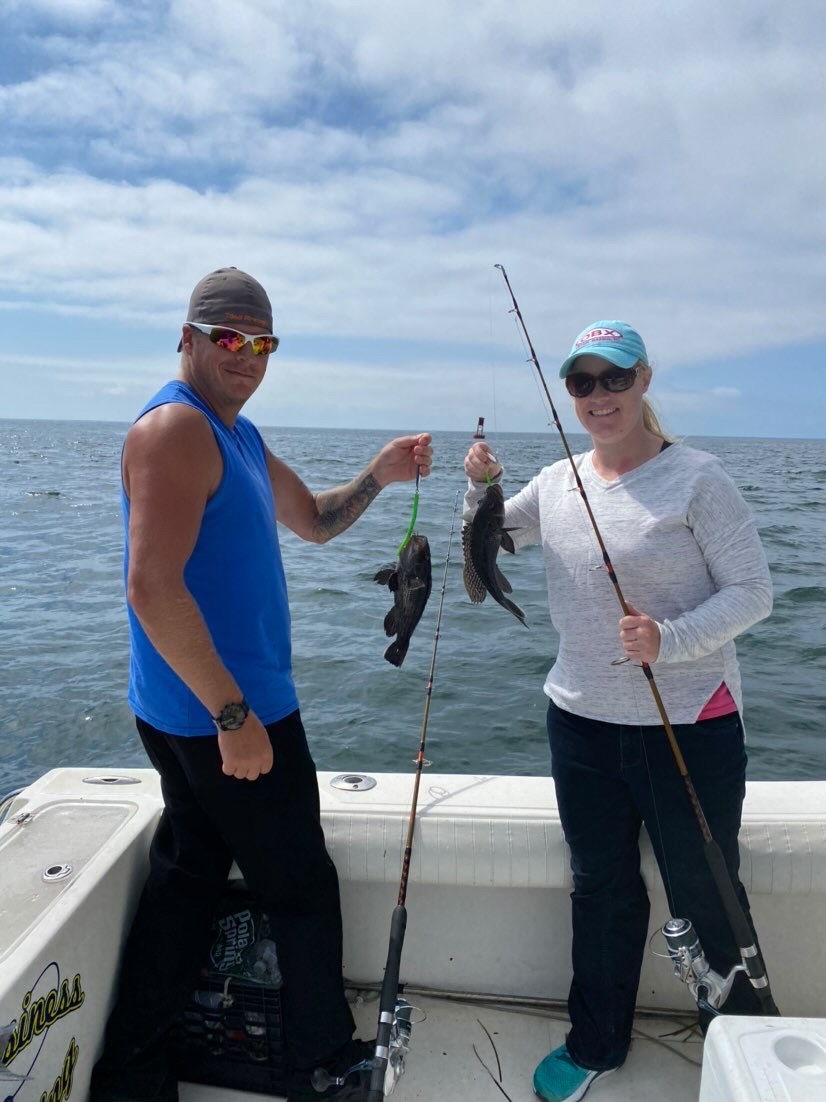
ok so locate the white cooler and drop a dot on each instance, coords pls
(764, 1060)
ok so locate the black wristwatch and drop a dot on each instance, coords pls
(232, 716)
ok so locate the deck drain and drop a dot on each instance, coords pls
(353, 782)
(56, 872)
(109, 780)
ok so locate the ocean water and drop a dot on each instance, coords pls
(64, 646)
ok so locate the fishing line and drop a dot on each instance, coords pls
(669, 893)
(528, 357)
(388, 1004)
(492, 358)
(752, 961)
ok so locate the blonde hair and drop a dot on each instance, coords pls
(650, 420)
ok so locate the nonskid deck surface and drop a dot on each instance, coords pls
(443, 1067)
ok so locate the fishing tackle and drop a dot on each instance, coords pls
(409, 533)
(394, 1025)
(708, 988)
(752, 961)
(398, 1046)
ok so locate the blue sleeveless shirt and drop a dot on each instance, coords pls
(236, 577)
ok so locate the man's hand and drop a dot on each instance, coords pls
(480, 462)
(247, 752)
(399, 460)
(640, 636)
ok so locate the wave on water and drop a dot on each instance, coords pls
(64, 661)
(806, 595)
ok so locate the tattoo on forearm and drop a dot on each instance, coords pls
(338, 509)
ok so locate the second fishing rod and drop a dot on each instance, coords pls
(393, 1026)
(683, 946)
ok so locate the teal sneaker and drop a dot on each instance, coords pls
(559, 1079)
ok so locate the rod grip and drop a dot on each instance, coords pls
(387, 1003)
(743, 933)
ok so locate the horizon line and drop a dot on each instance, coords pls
(398, 431)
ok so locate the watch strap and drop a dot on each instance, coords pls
(233, 715)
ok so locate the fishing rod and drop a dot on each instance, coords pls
(389, 1020)
(683, 946)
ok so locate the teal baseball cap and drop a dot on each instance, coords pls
(614, 341)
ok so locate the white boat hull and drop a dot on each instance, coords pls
(488, 904)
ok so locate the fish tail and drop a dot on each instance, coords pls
(396, 652)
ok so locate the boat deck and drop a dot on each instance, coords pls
(442, 1063)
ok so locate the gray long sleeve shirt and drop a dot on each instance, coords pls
(686, 551)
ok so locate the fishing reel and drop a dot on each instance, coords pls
(397, 1050)
(399, 1044)
(708, 988)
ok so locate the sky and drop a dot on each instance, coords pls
(371, 162)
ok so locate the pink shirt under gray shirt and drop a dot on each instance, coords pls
(686, 551)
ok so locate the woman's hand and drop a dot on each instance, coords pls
(640, 636)
(480, 462)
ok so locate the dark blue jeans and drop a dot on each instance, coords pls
(610, 778)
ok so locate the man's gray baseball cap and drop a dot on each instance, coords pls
(230, 297)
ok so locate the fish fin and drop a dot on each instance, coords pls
(506, 541)
(396, 652)
(504, 584)
(474, 586)
(417, 583)
(511, 606)
(384, 575)
(390, 626)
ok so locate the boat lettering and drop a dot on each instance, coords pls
(63, 1084)
(37, 1015)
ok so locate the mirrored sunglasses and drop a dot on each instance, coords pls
(614, 380)
(233, 340)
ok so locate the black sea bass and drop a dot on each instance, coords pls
(481, 540)
(410, 583)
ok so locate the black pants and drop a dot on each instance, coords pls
(272, 828)
(609, 779)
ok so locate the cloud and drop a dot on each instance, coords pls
(61, 11)
(369, 255)
(370, 163)
(84, 370)
(422, 394)
(709, 399)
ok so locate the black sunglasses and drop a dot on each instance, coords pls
(614, 380)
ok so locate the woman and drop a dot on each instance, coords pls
(688, 558)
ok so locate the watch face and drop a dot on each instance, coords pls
(232, 716)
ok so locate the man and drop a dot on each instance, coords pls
(211, 687)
